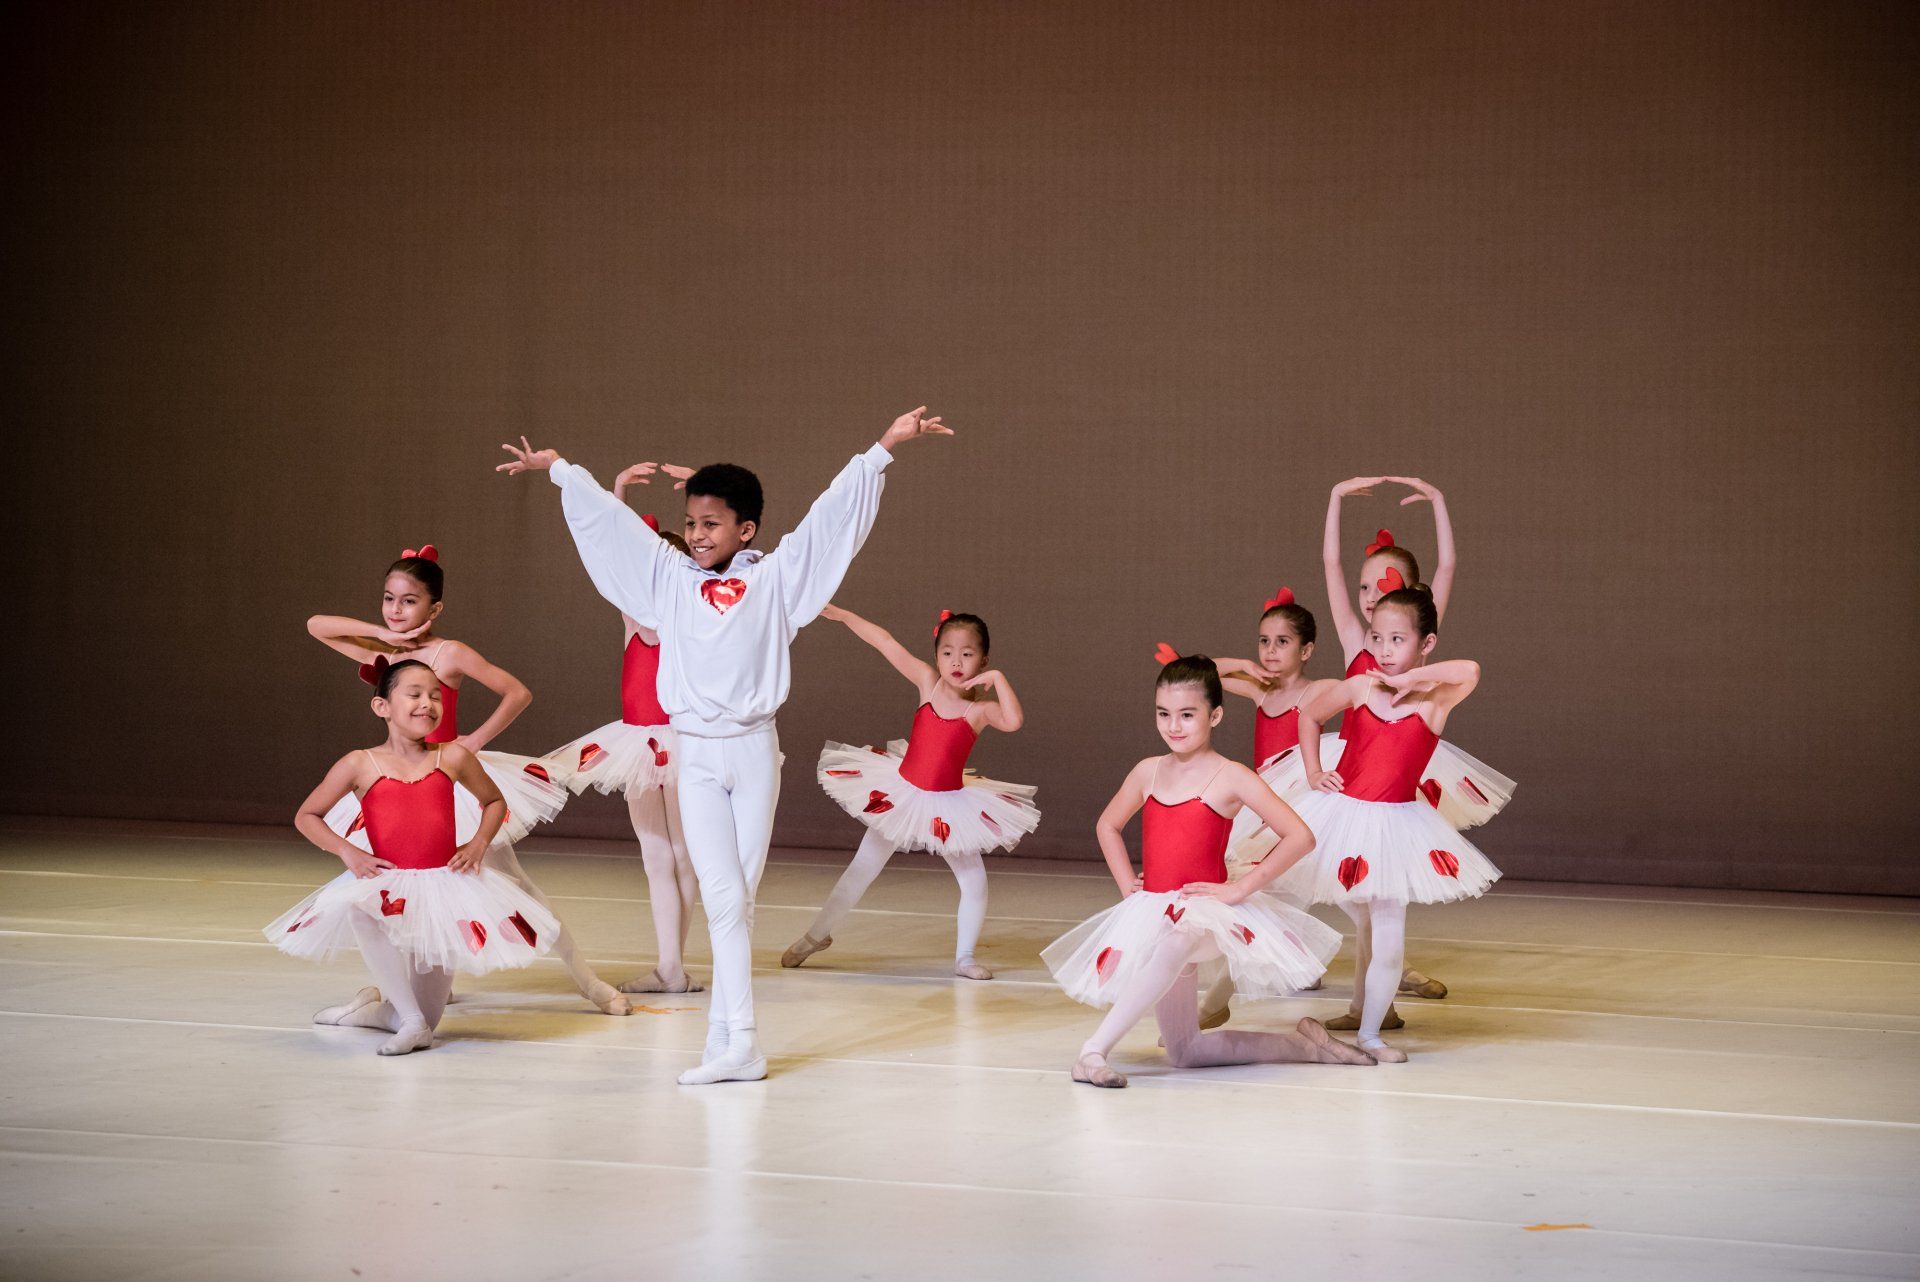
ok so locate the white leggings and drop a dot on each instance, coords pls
(728, 790)
(1380, 950)
(416, 996)
(969, 870)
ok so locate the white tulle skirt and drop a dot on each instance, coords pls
(1382, 850)
(620, 758)
(1269, 947)
(981, 815)
(473, 922)
(535, 790)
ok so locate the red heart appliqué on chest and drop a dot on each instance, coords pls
(723, 594)
(877, 803)
(941, 830)
(590, 754)
(519, 924)
(1445, 862)
(391, 907)
(1390, 581)
(1106, 963)
(1430, 789)
(1353, 871)
(476, 935)
(538, 771)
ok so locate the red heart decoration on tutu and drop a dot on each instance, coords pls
(1430, 789)
(878, 752)
(1353, 871)
(391, 907)
(941, 831)
(1445, 862)
(1009, 798)
(538, 771)
(1163, 654)
(1283, 754)
(370, 673)
(1175, 913)
(519, 923)
(1246, 936)
(1106, 963)
(659, 753)
(359, 822)
(843, 774)
(304, 921)
(590, 754)
(1295, 940)
(476, 935)
(877, 803)
(1474, 792)
(1390, 581)
(723, 594)
(987, 819)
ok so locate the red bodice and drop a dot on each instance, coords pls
(1384, 760)
(1183, 843)
(639, 684)
(1274, 735)
(1362, 662)
(937, 750)
(410, 822)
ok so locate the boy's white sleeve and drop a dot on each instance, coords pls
(814, 558)
(628, 563)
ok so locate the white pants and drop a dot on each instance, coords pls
(728, 790)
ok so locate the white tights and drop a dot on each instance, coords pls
(671, 884)
(501, 859)
(969, 870)
(728, 791)
(1380, 946)
(417, 998)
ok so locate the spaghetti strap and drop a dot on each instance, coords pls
(433, 660)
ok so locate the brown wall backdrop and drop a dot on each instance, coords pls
(1634, 283)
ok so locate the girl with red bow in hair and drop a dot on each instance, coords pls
(1379, 845)
(1180, 922)
(917, 795)
(417, 903)
(534, 790)
(638, 757)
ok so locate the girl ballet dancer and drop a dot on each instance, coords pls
(418, 904)
(1379, 845)
(636, 756)
(917, 795)
(410, 606)
(1181, 923)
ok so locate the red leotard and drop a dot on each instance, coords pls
(937, 749)
(410, 822)
(1274, 735)
(1384, 760)
(639, 684)
(1182, 843)
(1362, 662)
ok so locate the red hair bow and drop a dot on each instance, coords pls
(371, 672)
(1382, 540)
(653, 522)
(1163, 654)
(426, 552)
(944, 616)
(1283, 597)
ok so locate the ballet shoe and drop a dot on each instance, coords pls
(337, 1014)
(1350, 1022)
(652, 983)
(1215, 1018)
(608, 998)
(1331, 1049)
(728, 1068)
(1414, 984)
(971, 969)
(1094, 1071)
(411, 1037)
(1383, 1053)
(803, 948)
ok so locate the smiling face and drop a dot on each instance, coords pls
(959, 656)
(411, 706)
(715, 532)
(1184, 717)
(1281, 653)
(405, 603)
(1393, 637)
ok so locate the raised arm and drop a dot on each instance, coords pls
(1446, 684)
(815, 556)
(1003, 712)
(312, 822)
(627, 562)
(362, 642)
(1347, 624)
(463, 660)
(1244, 677)
(1113, 820)
(904, 661)
(1441, 584)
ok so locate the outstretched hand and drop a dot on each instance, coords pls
(527, 459)
(912, 424)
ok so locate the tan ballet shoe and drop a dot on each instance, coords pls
(1093, 1070)
(971, 969)
(803, 948)
(652, 983)
(1414, 984)
(1332, 1050)
(608, 998)
(1384, 1053)
(1215, 1018)
(1350, 1022)
(338, 1014)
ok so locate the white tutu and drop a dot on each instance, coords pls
(981, 815)
(1397, 850)
(1270, 948)
(535, 790)
(619, 758)
(473, 922)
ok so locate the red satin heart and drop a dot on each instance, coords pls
(723, 594)
(1430, 789)
(590, 754)
(877, 803)
(659, 753)
(359, 822)
(1445, 862)
(304, 921)
(538, 771)
(370, 673)
(1390, 581)
(878, 752)
(1106, 963)
(1175, 913)
(992, 827)
(1353, 871)
(843, 774)
(391, 907)
(519, 923)
(1163, 654)
(1246, 935)
(476, 935)
(1477, 795)
(941, 830)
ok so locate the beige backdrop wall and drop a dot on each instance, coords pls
(1635, 283)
